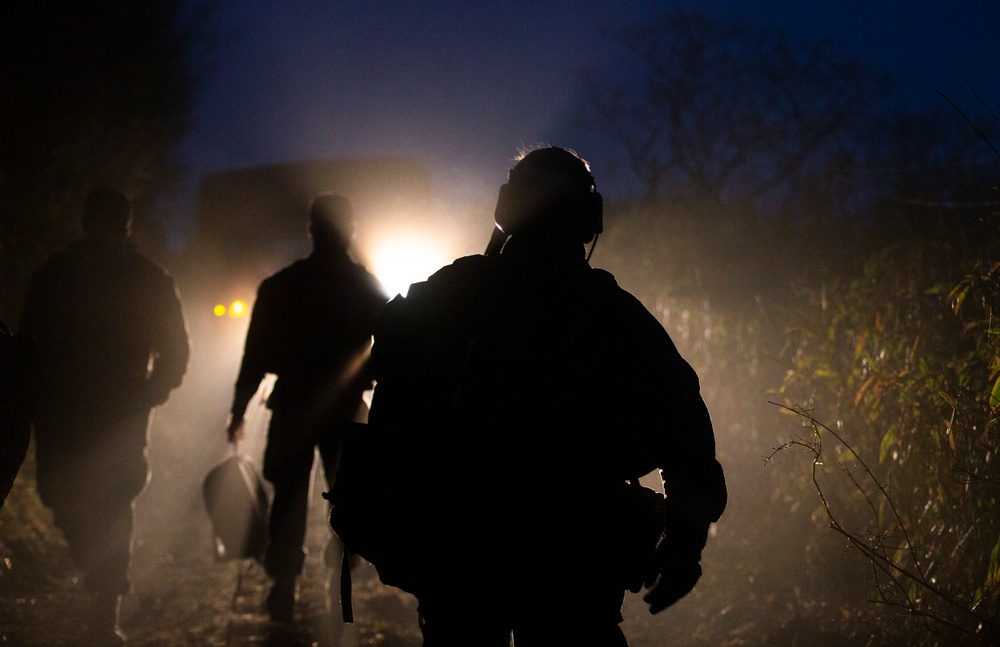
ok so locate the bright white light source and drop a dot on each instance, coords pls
(402, 259)
(237, 309)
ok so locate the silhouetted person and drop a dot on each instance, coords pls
(112, 345)
(527, 388)
(16, 355)
(311, 326)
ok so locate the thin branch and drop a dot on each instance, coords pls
(874, 548)
(969, 121)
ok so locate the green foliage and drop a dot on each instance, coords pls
(848, 226)
(907, 357)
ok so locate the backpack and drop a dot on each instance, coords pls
(237, 505)
(381, 512)
(375, 510)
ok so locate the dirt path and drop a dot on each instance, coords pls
(181, 595)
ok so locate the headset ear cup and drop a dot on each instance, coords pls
(591, 213)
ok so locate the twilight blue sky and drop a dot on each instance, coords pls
(461, 85)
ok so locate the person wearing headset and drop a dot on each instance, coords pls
(527, 393)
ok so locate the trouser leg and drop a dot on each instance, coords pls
(100, 543)
(90, 485)
(594, 634)
(456, 622)
(288, 463)
(99, 538)
(103, 622)
(575, 615)
(285, 554)
(109, 570)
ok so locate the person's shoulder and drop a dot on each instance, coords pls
(66, 261)
(294, 271)
(443, 287)
(466, 266)
(298, 266)
(618, 302)
(145, 263)
(73, 253)
(604, 286)
(361, 275)
(467, 272)
(143, 270)
(605, 280)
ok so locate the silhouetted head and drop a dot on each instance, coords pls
(331, 221)
(107, 215)
(550, 194)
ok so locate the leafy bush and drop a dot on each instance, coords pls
(908, 360)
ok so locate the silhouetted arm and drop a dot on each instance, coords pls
(171, 349)
(675, 428)
(36, 311)
(254, 365)
(695, 487)
(693, 479)
(668, 417)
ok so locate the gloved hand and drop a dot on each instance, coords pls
(678, 562)
(234, 428)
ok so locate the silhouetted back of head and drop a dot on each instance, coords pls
(550, 193)
(107, 215)
(331, 221)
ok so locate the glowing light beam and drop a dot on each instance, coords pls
(402, 259)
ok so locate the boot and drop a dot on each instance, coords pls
(280, 602)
